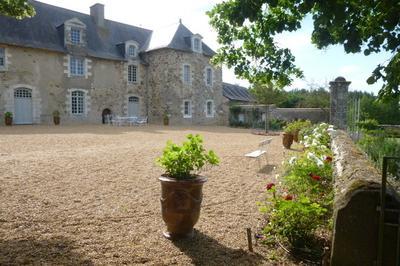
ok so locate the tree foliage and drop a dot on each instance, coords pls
(16, 8)
(246, 30)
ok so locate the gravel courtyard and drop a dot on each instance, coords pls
(89, 195)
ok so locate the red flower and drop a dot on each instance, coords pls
(328, 159)
(316, 177)
(288, 197)
(270, 186)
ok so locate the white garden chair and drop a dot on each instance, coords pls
(261, 151)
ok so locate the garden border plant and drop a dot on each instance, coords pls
(301, 204)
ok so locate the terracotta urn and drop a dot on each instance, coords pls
(287, 140)
(296, 136)
(8, 120)
(180, 205)
(56, 120)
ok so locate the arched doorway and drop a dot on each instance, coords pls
(133, 106)
(23, 113)
(106, 116)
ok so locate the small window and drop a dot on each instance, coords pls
(132, 51)
(197, 44)
(2, 57)
(186, 74)
(133, 99)
(77, 102)
(187, 109)
(209, 76)
(77, 66)
(132, 73)
(75, 36)
(210, 108)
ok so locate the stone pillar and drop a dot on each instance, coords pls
(338, 114)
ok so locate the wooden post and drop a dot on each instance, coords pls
(249, 242)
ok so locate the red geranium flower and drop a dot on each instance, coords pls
(270, 186)
(288, 197)
(328, 159)
(316, 177)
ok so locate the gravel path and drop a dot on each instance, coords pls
(90, 195)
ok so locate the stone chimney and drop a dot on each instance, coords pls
(97, 14)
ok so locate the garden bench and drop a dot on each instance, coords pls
(262, 150)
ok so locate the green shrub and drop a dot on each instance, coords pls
(295, 126)
(293, 219)
(368, 124)
(8, 114)
(180, 161)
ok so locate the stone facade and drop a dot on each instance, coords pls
(167, 89)
(338, 114)
(46, 73)
(85, 66)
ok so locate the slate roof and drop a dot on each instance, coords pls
(41, 31)
(236, 93)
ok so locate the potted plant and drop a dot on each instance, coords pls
(287, 139)
(181, 185)
(8, 118)
(56, 117)
(166, 118)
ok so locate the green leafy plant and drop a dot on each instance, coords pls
(56, 113)
(180, 161)
(295, 126)
(368, 124)
(294, 219)
(8, 115)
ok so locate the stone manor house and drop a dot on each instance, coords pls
(86, 66)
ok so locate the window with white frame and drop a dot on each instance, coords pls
(187, 109)
(2, 57)
(186, 74)
(196, 44)
(132, 73)
(132, 50)
(209, 76)
(210, 108)
(75, 36)
(77, 102)
(77, 66)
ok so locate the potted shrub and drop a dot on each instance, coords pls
(166, 118)
(56, 117)
(287, 139)
(8, 118)
(181, 187)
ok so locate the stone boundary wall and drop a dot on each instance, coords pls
(316, 115)
(357, 186)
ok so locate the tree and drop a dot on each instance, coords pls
(246, 30)
(16, 8)
(267, 94)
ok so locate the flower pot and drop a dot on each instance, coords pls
(180, 205)
(166, 120)
(296, 136)
(287, 140)
(8, 121)
(56, 120)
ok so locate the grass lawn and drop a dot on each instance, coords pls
(90, 195)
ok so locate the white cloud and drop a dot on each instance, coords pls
(294, 41)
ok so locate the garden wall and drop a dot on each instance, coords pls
(315, 115)
(357, 198)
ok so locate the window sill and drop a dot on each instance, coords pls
(3, 69)
(186, 116)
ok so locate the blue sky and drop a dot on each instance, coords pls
(319, 66)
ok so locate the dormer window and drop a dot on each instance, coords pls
(131, 49)
(197, 43)
(75, 36)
